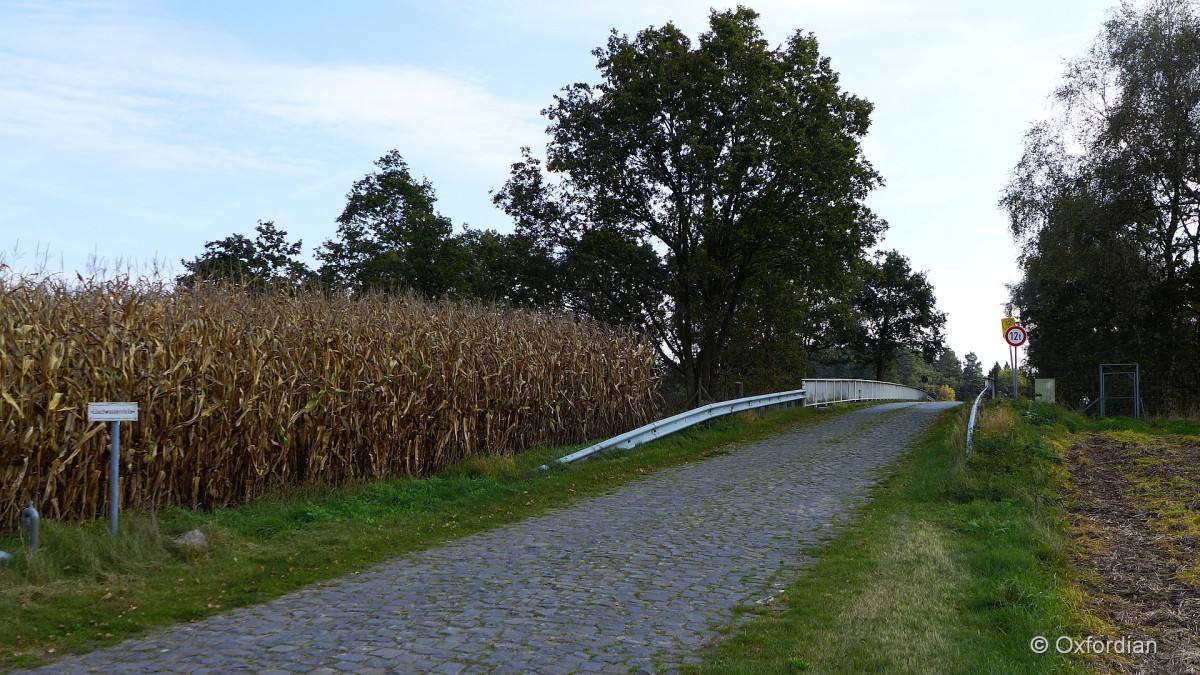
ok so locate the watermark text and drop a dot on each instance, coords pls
(1066, 644)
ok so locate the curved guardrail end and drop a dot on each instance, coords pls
(971, 419)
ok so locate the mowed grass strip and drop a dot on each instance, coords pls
(85, 589)
(954, 566)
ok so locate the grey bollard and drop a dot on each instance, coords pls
(29, 521)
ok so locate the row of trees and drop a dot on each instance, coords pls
(1106, 204)
(710, 196)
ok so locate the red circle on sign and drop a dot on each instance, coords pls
(1015, 336)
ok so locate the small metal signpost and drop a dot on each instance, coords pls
(1015, 336)
(114, 413)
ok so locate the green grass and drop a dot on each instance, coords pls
(953, 567)
(1151, 427)
(85, 589)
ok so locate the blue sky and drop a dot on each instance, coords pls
(137, 130)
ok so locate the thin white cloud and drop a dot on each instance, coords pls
(431, 111)
(103, 80)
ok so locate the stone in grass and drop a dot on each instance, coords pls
(192, 540)
(5, 557)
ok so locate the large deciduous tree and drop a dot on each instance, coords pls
(390, 237)
(1106, 204)
(690, 174)
(898, 311)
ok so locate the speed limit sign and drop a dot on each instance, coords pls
(1015, 336)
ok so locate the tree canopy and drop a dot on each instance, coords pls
(972, 378)
(1106, 204)
(695, 173)
(898, 311)
(267, 260)
(390, 237)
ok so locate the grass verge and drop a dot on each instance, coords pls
(85, 589)
(954, 566)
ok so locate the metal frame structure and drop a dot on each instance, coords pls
(815, 392)
(1117, 369)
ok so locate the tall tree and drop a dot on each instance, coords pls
(949, 368)
(267, 260)
(390, 237)
(1106, 204)
(972, 378)
(898, 311)
(709, 168)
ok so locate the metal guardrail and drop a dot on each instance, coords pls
(971, 420)
(815, 392)
(670, 425)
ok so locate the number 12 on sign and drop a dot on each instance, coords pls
(1015, 336)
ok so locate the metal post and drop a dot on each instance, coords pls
(114, 476)
(1137, 391)
(1014, 373)
(1102, 395)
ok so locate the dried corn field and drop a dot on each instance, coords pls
(242, 394)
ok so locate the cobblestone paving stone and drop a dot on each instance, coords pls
(637, 580)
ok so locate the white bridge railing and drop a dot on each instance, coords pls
(821, 392)
(814, 393)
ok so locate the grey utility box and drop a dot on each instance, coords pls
(1043, 390)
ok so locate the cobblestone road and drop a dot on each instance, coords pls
(635, 580)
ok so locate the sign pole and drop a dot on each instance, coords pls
(1015, 336)
(1014, 371)
(114, 489)
(114, 414)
